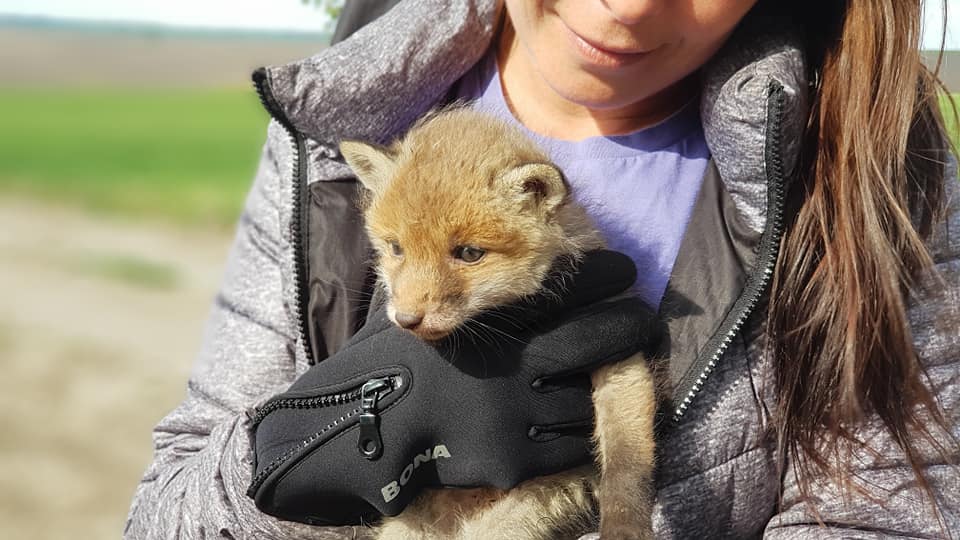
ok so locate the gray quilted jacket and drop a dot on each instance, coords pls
(290, 296)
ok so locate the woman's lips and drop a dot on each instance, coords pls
(596, 54)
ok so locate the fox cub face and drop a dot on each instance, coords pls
(464, 213)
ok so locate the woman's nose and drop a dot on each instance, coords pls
(633, 11)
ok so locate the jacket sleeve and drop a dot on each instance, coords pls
(900, 509)
(195, 487)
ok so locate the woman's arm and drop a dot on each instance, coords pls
(899, 507)
(195, 487)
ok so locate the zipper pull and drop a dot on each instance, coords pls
(369, 443)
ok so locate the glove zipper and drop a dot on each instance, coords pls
(369, 442)
(369, 393)
(383, 386)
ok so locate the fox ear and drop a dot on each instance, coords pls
(540, 186)
(372, 164)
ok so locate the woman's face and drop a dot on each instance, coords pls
(605, 54)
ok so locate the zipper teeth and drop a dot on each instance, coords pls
(297, 214)
(305, 403)
(769, 260)
(394, 382)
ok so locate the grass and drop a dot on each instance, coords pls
(186, 156)
(950, 119)
(126, 269)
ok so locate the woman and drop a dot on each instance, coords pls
(809, 408)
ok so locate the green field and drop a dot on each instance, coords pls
(950, 119)
(184, 156)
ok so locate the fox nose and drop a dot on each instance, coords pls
(409, 320)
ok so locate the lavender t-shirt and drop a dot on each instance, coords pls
(639, 188)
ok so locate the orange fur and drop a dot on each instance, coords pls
(462, 178)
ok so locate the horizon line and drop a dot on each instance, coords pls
(50, 22)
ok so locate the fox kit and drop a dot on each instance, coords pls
(467, 214)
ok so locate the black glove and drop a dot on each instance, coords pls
(359, 434)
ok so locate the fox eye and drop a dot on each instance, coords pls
(468, 254)
(396, 249)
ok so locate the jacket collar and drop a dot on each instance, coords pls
(373, 85)
(763, 53)
(376, 83)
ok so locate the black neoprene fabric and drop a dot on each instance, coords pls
(493, 412)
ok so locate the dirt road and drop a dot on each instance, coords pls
(99, 322)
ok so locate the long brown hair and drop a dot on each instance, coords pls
(871, 188)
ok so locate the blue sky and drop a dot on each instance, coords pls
(292, 14)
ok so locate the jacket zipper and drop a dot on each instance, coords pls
(766, 257)
(300, 214)
(369, 443)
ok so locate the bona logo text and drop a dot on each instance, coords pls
(391, 490)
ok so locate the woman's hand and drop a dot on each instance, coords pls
(360, 434)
